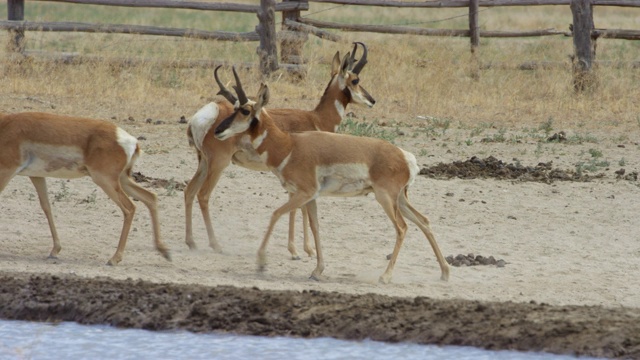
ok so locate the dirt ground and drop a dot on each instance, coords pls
(563, 240)
(578, 330)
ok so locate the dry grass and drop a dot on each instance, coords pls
(410, 76)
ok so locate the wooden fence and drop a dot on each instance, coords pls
(265, 31)
(295, 28)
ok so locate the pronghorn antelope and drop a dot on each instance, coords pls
(315, 163)
(215, 155)
(41, 145)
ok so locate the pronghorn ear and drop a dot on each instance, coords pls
(263, 97)
(335, 64)
(346, 63)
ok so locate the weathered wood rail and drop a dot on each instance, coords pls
(265, 31)
(295, 28)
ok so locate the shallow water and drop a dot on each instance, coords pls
(31, 340)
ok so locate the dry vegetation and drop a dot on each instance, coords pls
(411, 76)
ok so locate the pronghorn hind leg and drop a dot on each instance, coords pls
(291, 246)
(111, 186)
(40, 184)
(295, 201)
(190, 191)
(423, 223)
(151, 201)
(305, 226)
(312, 213)
(390, 205)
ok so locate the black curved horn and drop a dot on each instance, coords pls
(238, 87)
(352, 58)
(223, 90)
(363, 61)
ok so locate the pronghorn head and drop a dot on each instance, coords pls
(246, 113)
(348, 76)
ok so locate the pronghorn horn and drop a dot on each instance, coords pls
(223, 90)
(352, 58)
(363, 61)
(238, 87)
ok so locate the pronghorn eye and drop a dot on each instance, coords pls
(355, 81)
(245, 112)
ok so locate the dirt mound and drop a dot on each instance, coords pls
(473, 260)
(157, 182)
(493, 168)
(578, 330)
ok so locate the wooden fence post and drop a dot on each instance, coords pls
(474, 34)
(291, 46)
(15, 11)
(266, 29)
(584, 48)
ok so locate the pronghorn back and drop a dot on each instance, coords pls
(44, 151)
(382, 160)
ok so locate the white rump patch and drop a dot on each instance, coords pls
(201, 122)
(412, 163)
(128, 143)
(343, 180)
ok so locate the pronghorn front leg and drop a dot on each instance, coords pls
(305, 228)
(312, 212)
(40, 184)
(295, 201)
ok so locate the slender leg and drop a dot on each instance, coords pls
(390, 206)
(216, 166)
(291, 246)
(295, 201)
(40, 184)
(312, 211)
(190, 192)
(151, 201)
(305, 225)
(113, 189)
(423, 223)
(305, 228)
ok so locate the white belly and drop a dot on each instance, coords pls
(65, 162)
(343, 180)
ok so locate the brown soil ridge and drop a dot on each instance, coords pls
(491, 167)
(575, 330)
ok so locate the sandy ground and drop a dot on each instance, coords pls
(567, 245)
(564, 243)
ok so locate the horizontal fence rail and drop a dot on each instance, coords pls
(295, 28)
(193, 5)
(465, 3)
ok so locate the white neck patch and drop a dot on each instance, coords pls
(284, 163)
(340, 109)
(258, 140)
